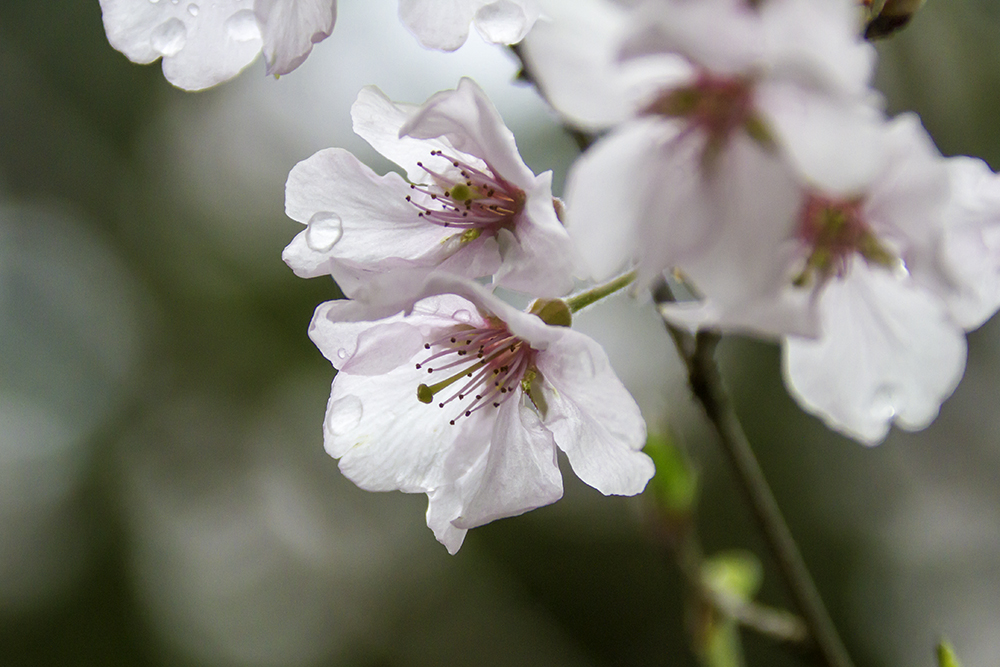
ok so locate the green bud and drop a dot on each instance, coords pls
(675, 484)
(553, 312)
(946, 655)
(737, 573)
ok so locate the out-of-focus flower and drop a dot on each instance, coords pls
(875, 263)
(972, 240)
(458, 395)
(205, 43)
(445, 25)
(472, 207)
(720, 110)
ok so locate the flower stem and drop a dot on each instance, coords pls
(580, 301)
(707, 386)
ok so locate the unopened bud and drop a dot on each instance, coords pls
(893, 15)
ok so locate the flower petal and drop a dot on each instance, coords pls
(291, 27)
(506, 21)
(889, 353)
(201, 43)
(438, 24)
(593, 417)
(520, 472)
(470, 123)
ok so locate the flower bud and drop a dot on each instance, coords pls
(893, 15)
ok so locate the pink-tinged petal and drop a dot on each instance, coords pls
(506, 21)
(290, 28)
(818, 43)
(838, 147)
(593, 417)
(744, 272)
(377, 120)
(438, 24)
(972, 241)
(539, 258)
(724, 36)
(889, 353)
(520, 472)
(359, 224)
(387, 439)
(467, 119)
(905, 204)
(201, 43)
(572, 55)
(443, 505)
(606, 196)
(347, 332)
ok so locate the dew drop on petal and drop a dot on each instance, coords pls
(463, 316)
(242, 26)
(324, 230)
(883, 403)
(344, 415)
(341, 353)
(193, 9)
(169, 37)
(153, 2)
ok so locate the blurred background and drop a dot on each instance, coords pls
(164, 494)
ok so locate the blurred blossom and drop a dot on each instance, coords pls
(205, 43)
(247, 548)
(70, 331)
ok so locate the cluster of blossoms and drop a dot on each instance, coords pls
(742, 153)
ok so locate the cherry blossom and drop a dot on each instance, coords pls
(875, 262)
(972, 241)
(445, 25)
(470, 205)
(205, 43)
(460, 396)
(719, 111)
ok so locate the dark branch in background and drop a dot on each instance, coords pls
(698, 352)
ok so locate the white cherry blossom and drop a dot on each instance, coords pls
(972, 241)
(719, 110)
(458, 395)
(890, 350)
(205, 43)
(444, 24)
(470, 205)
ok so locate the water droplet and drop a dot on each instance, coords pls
(153, 2)
(175, 1)
(242, 26)
(883, 402)
(324, 230)
(463, 316)
(169, 37)
(344, 415)
(193, 9)
(341, 353)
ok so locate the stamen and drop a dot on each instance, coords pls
(472, 199)
(486, 363)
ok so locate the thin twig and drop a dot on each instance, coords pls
(698, 353)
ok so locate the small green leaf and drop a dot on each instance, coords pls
(736, 573)
(675, 485)
(946, 655)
